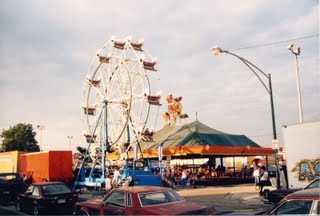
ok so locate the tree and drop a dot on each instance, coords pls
(19, 137)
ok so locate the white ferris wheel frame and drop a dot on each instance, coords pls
(117, 84)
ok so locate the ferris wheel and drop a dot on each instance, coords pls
(118, 96)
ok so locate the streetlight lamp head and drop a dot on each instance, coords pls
(294, 51)
(216, 50)
(290, 47)
(297, 51)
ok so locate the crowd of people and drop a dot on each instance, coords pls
(190, 176)
(178, 176)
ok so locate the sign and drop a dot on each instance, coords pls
(275, 144)
(160, 153)
(135, 152)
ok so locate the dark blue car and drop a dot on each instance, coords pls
(275, 196)
(47, 197)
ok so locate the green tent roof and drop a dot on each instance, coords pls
(195, 134)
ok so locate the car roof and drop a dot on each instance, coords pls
(47, 183)
(312, 192)
(143, 189)
(9, 173)
(314, 180)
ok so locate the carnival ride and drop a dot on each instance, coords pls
(116, 104)
(174, 110)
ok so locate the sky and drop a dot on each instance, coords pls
(46, 49)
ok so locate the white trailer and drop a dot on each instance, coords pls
(302, 152)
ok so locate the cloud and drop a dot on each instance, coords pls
(47, 48)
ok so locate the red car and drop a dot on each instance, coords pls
(142, 200)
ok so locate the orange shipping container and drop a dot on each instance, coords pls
(47, 166)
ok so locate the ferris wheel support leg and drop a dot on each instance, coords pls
(105, 144)
(87, 151)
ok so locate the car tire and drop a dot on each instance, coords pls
(35, 210)
(18, 206)
(83, 213)
(266, 193)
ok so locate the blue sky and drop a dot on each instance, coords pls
(46, 49)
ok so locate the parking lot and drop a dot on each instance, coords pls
(226, 199)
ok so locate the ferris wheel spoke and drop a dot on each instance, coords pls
(118, 87)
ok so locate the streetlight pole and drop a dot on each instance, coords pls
(70, 138)
(41, 128)
(254, 69)
(296, 52)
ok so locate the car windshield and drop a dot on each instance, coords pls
(314, 184)
(7, 177)
(294, 207)
(159, 197)
(56, 189)
(115, 198)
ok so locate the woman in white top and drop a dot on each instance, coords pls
(184, 178)
(256, 175)
(264, 178)
(108, 183)
(116, 177)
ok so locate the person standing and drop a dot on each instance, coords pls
(108, 183)
(256, 175)
(264, 179)
(172, 176)
(184, 178)
(116, 177)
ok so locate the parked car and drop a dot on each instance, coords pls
(44, 197)
(302, 202)
(10, 186)
(275, 196)
(142, 200)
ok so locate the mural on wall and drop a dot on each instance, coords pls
(307, 169)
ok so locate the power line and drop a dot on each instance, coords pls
(279, 42)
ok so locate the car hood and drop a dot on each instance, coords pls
(91, 202)
(287, 191)
(180, 208)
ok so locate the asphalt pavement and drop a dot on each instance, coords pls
(228, 198)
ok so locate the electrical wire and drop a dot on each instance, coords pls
(279, 42)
